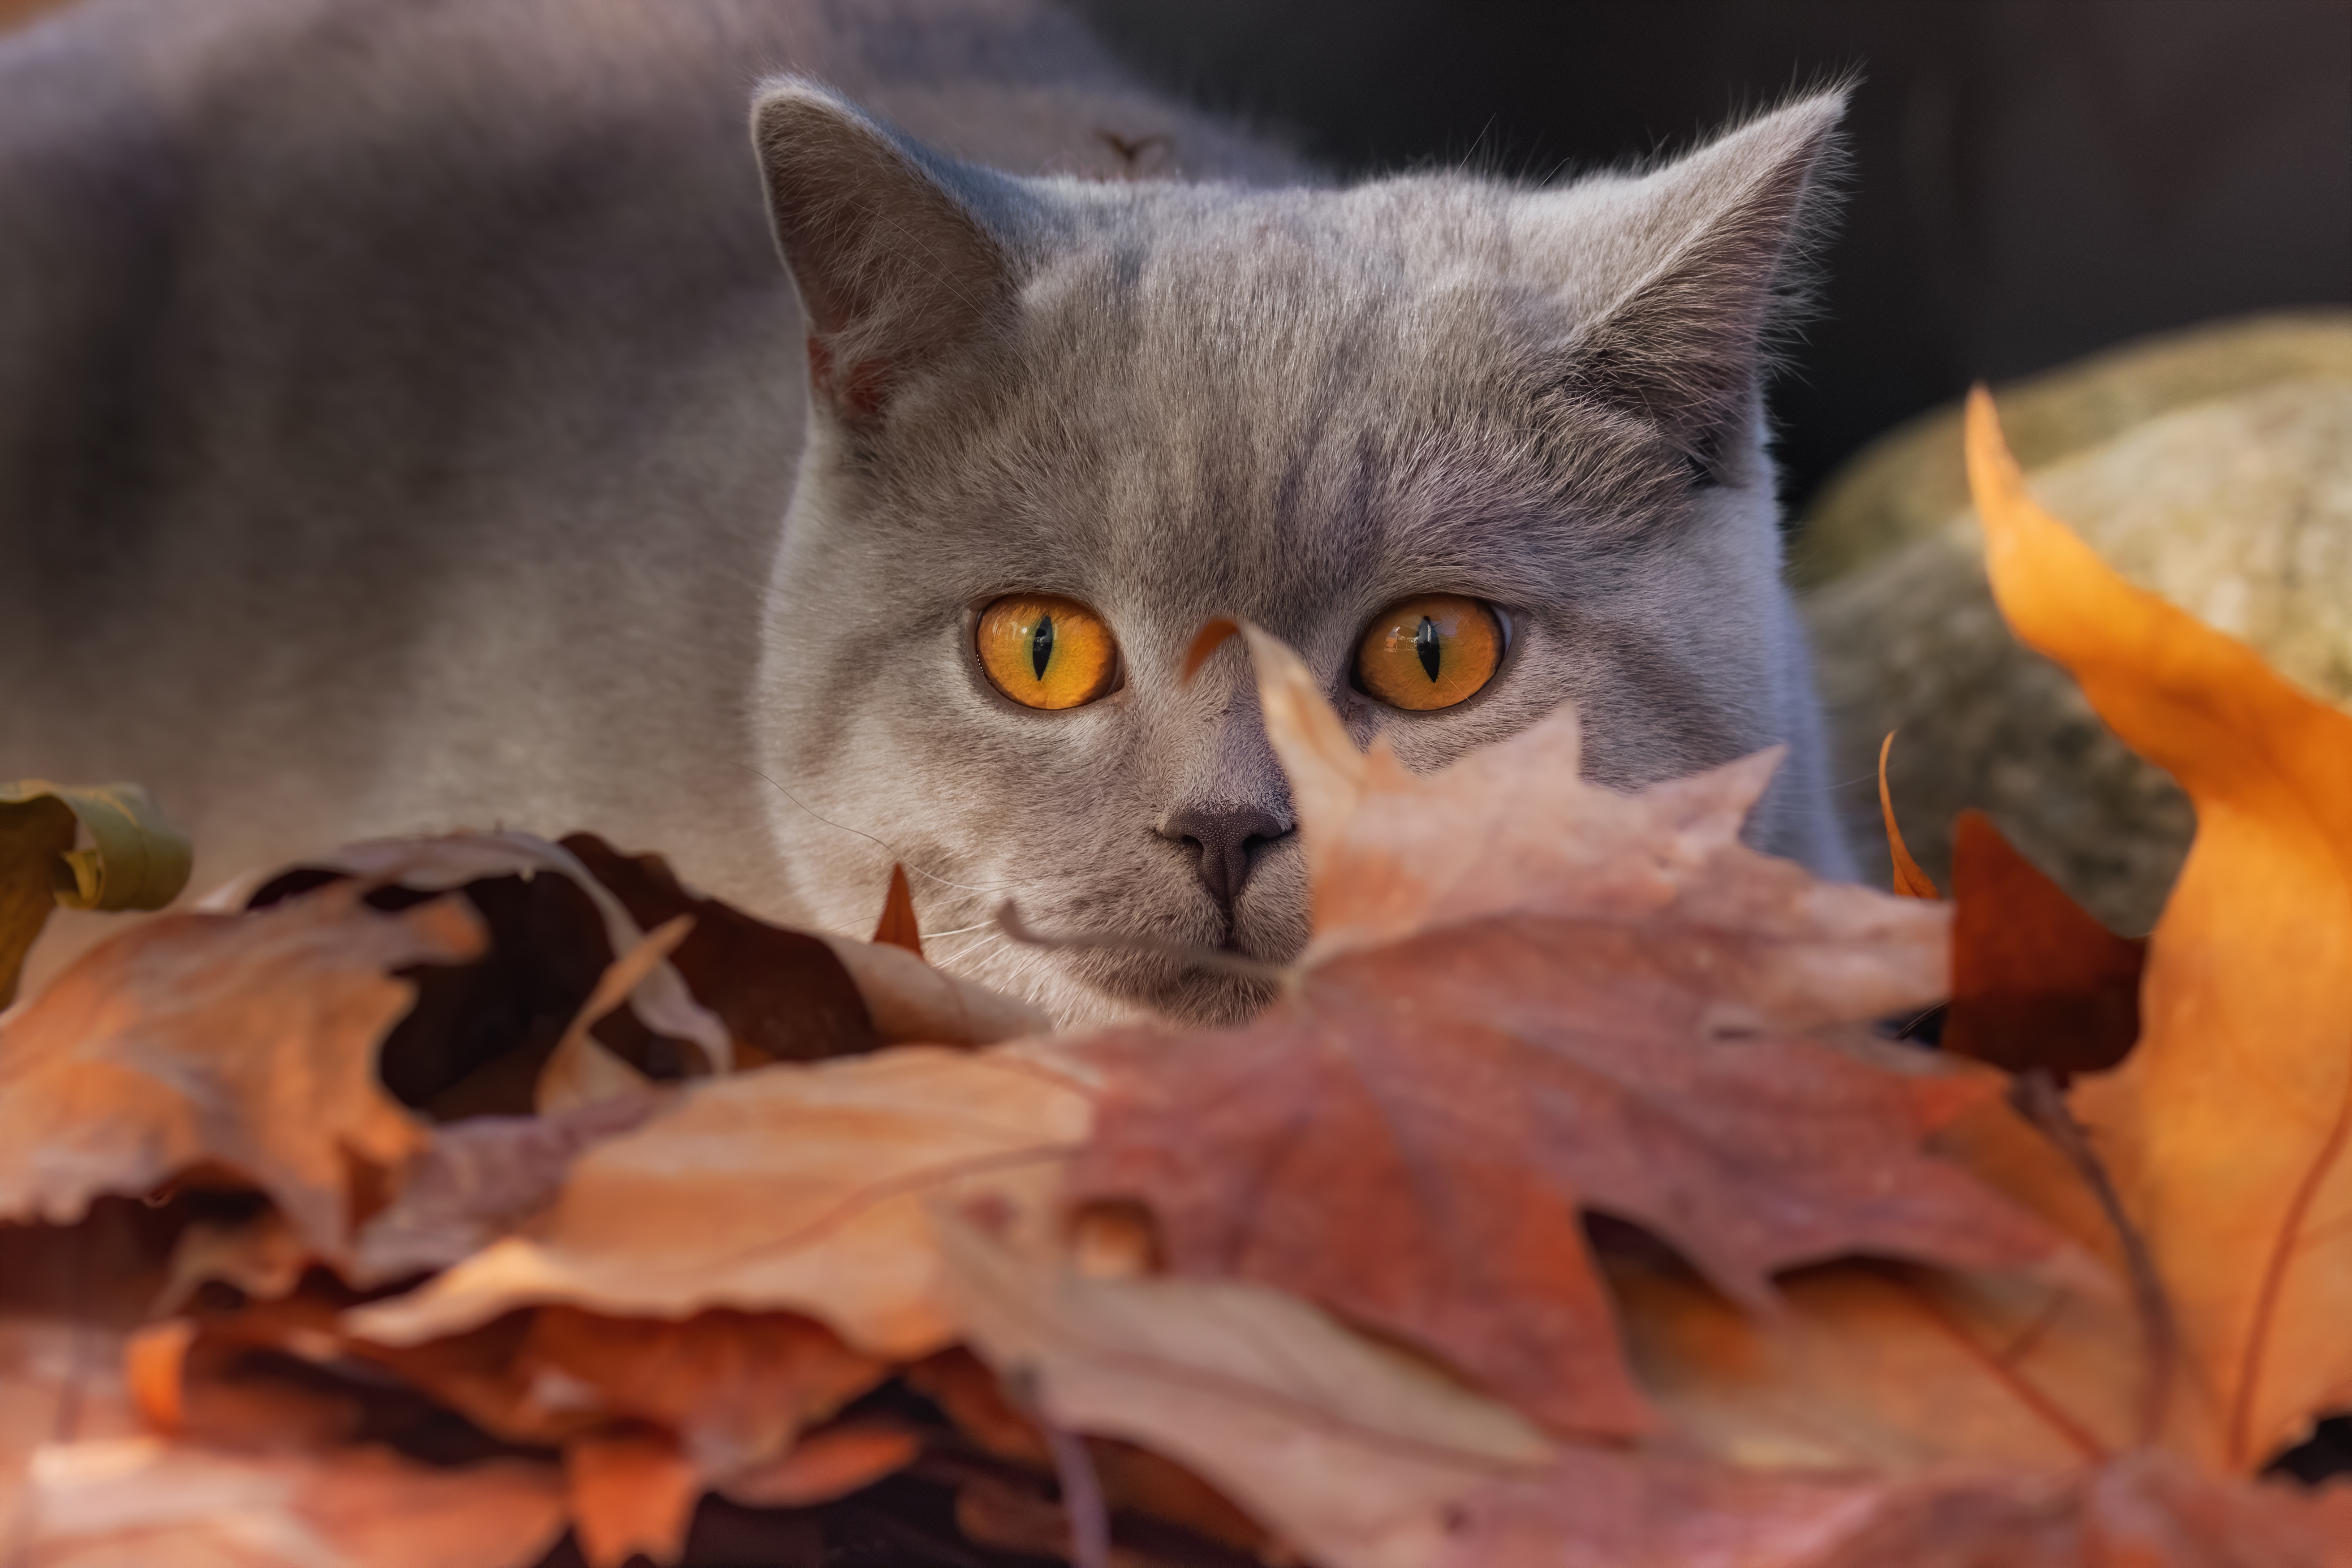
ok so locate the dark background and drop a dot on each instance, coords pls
(2032, 179)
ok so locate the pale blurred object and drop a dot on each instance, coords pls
(2213, 466)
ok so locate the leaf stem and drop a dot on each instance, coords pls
(2035, 1095)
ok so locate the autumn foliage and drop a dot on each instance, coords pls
(1569, 1204)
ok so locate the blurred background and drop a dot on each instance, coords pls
(2032, 179)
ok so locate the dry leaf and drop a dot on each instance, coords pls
(2037, 982)
(2228, 1131)
(1883, 1367)
(247, 1042)
(1910, 881)
(82, 1484)
(630, 1493)
(784, 994)
(2144, 1511)
(799, 1188)
(1355, 1453)
(1527, 998)
(136, 860)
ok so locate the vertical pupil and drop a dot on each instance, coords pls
(1041, 645)
(1424, 643)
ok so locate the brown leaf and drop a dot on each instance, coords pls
(2228, 1130)
(1352, 1452)
(480, 1034)
(2145, 1509)
(800, 1188)
(1528, 998)
(783, 993)
(474, 1182)
(826, 1464)
(243, 1041)
(898, 926)
(83, 1484)
(630, 1493)
(1910, 881)
(2037, 982)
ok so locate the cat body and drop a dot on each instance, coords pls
(405, 422)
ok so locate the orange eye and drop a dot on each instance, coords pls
(1430, 651)
(1046, 652)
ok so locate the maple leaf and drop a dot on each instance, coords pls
(799, 1187)
(1352, 1451)
(247, 1042)
(2228, 1131)
(1528, 998)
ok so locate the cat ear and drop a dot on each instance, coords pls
(896, 266)
(1703, 258)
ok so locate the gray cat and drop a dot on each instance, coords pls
(404, 423)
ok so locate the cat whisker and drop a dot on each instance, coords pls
(1009, 919)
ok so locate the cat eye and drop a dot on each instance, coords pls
(1434, 650)
(1044, 651)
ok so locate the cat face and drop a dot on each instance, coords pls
(1503, 442)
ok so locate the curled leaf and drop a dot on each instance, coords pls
(136, 860)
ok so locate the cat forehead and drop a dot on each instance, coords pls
(1177, 257)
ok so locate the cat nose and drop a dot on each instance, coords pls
(1228, 837)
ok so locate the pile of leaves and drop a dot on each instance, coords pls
(485, 1201)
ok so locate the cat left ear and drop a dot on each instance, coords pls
(1707, 255)
(896, 267)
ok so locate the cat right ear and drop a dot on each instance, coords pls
(896, 266)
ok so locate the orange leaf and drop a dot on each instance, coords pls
(2228, 1131)
(826, 1465)
(806, 1188)
(898, 925)
(153, 1358)
(2037, 982)
(630, 1494)
(246, 1041)
(1910, 881)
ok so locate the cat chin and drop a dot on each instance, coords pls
(1100, 989)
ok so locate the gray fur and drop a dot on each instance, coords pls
(398, 402)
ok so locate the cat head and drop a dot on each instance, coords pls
(1474, 448)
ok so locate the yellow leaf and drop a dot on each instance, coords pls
(136, 860)
(2228, 1131)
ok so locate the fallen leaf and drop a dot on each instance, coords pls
(83, 1484)
(1910, 881)
(2146, 1510)
(2227, 1130)
(2037, 982)
(1869, 1366)
(630, 1493)
(1528, 998)
(136, 860)
(802, 1189)
(580, 1072)
(241, 1041)
(826, 1464)
(898, 926)
(784, 994)
(474, 1182)
(479, 1037)
(1353, 1452)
